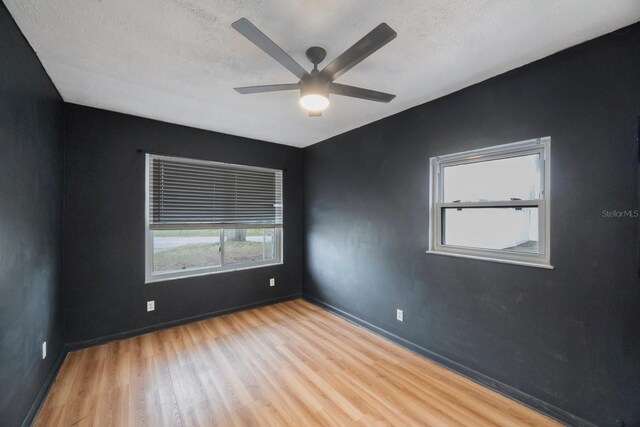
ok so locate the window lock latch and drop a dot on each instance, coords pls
(516, 198)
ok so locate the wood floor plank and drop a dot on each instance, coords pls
(286, 364)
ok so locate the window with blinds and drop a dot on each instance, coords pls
(205, 216)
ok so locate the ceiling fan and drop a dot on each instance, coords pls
(315, 86)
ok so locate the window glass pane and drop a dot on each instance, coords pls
(503, 179)
(504, 229)
(185, 249)
(249, 245)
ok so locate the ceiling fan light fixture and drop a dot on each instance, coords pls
(314, 92)
(314, 102)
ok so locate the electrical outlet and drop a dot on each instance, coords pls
(44, 350)
(151, 305)
(272, 282)
(400, 315)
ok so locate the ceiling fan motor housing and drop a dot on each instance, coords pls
(314, 84)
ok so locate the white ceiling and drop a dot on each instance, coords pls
(178, 60)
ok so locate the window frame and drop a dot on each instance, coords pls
(152, 277)
(541, 146)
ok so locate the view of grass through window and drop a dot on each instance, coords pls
(191, 249)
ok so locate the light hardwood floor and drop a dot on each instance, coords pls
(285, 364)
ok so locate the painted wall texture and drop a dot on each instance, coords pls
(31, 150)
(566, 337)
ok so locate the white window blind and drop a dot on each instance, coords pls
(189, 193)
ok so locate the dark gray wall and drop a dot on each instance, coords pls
(31, 132)
(105, 293)
(567, 336)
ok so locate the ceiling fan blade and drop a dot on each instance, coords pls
(358, 92)
(266, 88)
(257, 37)
(373, 41)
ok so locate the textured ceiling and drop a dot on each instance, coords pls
(178, 60)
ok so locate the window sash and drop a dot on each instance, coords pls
(485, 155)
(541, 256)
(152, 276)
(539, 146)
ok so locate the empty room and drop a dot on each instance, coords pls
(319, 213)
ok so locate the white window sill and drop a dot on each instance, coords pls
(186, 275)
(503, 261)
